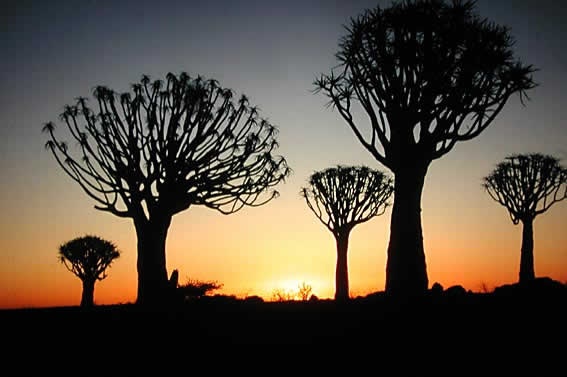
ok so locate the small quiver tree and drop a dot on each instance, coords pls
(88, 257)
(527, 185)
(341, 198)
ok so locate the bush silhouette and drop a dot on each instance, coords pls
(195, 288)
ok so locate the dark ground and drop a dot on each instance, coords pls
(512, 331)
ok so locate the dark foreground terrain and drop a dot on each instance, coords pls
(512, 331)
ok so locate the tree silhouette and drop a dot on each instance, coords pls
(426, 74)
(162, 148)
(341, 198)
(527, 185)
(88, 257)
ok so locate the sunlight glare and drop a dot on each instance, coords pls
(291, 287)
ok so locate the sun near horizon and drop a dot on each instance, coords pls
(276, 247)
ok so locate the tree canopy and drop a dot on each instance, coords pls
(527, 184)
(88, 256)
(427, 73)
(344, 196)
(167, 145)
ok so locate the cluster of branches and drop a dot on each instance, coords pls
(527, 184)
(427, 73)
(88, 257)
(169, 145)
(344, 196)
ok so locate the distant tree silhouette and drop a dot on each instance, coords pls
(527, 185)
(162, 148)
(88, 257)
(426, 74)
(341, 198)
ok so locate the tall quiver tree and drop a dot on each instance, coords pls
(527, 185)
(163, 147)
(426, 74)
(341, 198)
(88, 258)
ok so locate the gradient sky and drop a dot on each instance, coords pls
(55, 51)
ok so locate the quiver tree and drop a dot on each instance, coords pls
(88, 257)
(527, 185)
(342, 197)
(163, 147)
(427, 74)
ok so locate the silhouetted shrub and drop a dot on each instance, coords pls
(304, 291)
(539, 287)
(194, 288)
(455, 291)
(484, 288)
(281, 295)
(436, 288)
(254, 299)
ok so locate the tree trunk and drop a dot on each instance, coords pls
(87, 297)
(152, 273)
(341, 274)
(406, 271)
(527, 273)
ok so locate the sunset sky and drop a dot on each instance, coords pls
(54, 51)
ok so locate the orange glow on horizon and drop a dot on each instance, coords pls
(253, 252)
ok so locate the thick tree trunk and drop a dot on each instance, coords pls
(527, 272)
(87, 297)
(152, 273)
(341, 274)
(406, 271)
